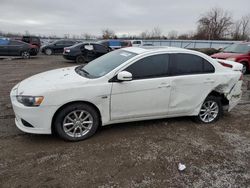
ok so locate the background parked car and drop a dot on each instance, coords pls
(137, 43)
(57, 46)
(85, 52)
(14, 48)
(238, 52)
(35, 43)
(116, 44)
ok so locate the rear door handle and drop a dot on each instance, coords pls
(207, 81)
(162, 85)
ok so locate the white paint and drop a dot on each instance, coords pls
(125, 101)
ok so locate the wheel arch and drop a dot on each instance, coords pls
(224, 100)
(70, 103)
(245, 62)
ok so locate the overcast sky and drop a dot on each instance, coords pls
(123, 16)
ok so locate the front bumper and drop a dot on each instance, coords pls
(39, 117)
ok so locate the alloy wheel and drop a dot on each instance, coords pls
(77, 123)
(209, 111)
(25, 55)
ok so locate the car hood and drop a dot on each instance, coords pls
(223, 55)
(51, 80)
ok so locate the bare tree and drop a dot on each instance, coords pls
(86, 36)
(156, 33)
(240, 29)
(245, 22)
(172, 34)
(108, 34)
(145, 35)
(236, 30)
(215, 24)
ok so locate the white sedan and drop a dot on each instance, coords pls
(130, 84)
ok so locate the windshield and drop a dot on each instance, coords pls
(104, 64)
(238, 48)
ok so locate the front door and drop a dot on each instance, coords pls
(147, 95)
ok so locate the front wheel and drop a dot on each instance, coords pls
(77, 122)
(25, 55)
(211, 110)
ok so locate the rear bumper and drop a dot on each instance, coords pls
(69, 57)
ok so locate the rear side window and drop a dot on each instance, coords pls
(207, 67)
(150, 67)
(184, 64)
(100, 48)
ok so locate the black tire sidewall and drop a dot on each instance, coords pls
(220, 113)
(58, 123)
(80, 57)
(245, 65)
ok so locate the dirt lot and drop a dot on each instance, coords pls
(142, 154)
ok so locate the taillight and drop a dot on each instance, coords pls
(225, 64)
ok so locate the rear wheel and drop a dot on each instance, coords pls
(48, 51)
(80, 59)
(245, 68)
(77, 122)
(211, 110)
(25, 55)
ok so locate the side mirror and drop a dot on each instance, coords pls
(124, 76)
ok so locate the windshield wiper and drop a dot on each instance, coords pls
(83, 70)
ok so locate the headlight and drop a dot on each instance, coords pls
(67, 50)
(231, 59)
(30, 100)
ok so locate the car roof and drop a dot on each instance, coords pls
(142, 50)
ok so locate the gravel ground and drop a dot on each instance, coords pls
(141, 154)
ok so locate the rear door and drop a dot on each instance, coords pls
(192, 80)
(15, 48)
(100, 50)
(88, 52)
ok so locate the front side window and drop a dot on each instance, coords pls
(185, 64)
(150, 67)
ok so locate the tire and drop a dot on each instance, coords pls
(48, 51)
(245, 68)
(73, 122)
(211, 110)
(80, 59)
(25, 54)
